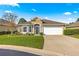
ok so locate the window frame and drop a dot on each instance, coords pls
(30, 28)
(24, 29)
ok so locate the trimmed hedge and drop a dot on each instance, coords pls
(6, 32)
(71, 31)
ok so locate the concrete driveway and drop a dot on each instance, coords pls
(64, 45)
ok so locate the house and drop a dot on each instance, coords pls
(38, 26)
(74, 25)
(6, 26)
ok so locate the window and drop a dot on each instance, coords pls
(25, 29)
(29, 28)
(37, 28)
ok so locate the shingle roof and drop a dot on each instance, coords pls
(45, 21)
(6, 23)
(75, 24)
(3, 22)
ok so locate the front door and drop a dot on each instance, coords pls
(36, 28)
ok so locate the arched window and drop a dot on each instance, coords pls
(25, 29)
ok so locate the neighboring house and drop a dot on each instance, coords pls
(6, 26)
(36, 26)
(74, 25)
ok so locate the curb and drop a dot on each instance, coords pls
(31, 50)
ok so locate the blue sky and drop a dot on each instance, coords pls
(63, 12)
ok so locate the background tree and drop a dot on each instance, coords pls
(77, 19)
(11, 18)
(22, 20)
(35, 18)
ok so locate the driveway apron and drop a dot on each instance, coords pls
(61, 44)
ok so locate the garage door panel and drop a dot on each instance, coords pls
(53, 30)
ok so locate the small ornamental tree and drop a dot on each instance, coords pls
(11, 18)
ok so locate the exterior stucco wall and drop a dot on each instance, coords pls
(37, 21)
(6, 28)
(3, 28)
(20, 29)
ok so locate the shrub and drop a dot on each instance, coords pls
(29, 34)
(4, 32)
(71, 31)
(8, 32)
(17, 33)
(41, 33)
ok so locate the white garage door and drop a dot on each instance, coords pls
(53, 30)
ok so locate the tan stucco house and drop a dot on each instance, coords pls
(74, 25)
(37, 25)
(7, 26)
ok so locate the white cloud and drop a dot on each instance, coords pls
(9, 2)
(67, 13)
(46, 17)
(8, 11)
(69, 18)
(43, 1)
(34, 10)
(75, 11)
(48, 1)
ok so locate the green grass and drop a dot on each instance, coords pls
(22, 40)
(71, 31)
(75, 36)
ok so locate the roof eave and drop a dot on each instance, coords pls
(55, 24)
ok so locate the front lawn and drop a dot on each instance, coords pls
(22, 40)
(72, 32)
(75, 36)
